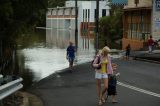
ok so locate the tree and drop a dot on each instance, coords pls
(19, 16)
(55, 3)
(111, 28)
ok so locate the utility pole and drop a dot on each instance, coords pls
(97, 25)
(76, 23)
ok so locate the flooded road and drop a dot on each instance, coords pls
(42, 53)
(44, 57)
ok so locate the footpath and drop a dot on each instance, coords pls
(78, 88)
(153, 57)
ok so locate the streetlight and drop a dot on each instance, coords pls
(97, 24)
(76, 23)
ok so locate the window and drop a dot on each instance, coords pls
(83, 14)
(95, 13)
(103, 12)
(88, 13)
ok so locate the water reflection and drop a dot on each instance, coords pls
(59, 38)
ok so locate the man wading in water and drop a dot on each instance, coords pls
(70, 55)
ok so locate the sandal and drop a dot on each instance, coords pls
(100, 102)
(103, 100)
(114, 101)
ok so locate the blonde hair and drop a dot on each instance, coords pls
(99, 52)
(105, 51)
(107, 48)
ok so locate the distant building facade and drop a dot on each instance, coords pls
(64, 17)
(140, 20)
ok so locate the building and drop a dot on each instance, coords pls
(64, 17)
(119, 3)
(140, 20)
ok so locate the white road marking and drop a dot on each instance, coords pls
(117, 74)
(138, 89)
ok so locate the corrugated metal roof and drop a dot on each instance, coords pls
(119, 2)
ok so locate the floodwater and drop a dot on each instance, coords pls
(43, 54)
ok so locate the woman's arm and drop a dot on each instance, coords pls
(96, 62)
(114, 66)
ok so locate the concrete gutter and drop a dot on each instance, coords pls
(145, 56)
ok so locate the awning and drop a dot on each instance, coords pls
(119, 2)
(137, 8)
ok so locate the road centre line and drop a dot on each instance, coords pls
(138, 89)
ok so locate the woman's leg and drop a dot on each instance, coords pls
(150, 49)
(105, 81)
(98, 84)
(114, 99)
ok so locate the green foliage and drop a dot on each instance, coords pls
(27, 40)
(111, 28)
(19, 16)
(55, 3)
(60, 3)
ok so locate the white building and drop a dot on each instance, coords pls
(87, 9)
(64, 17)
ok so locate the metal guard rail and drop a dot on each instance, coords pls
(10, 88)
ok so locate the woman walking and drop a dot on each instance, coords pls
(101, 74)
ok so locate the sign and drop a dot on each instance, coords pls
(157, 4)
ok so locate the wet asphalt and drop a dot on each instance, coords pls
(78, 88)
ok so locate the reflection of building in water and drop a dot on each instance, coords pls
(141, 19)
(59, 20)
(62, 22)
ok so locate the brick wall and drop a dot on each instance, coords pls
(135, 44)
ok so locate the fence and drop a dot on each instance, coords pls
(8, 86)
